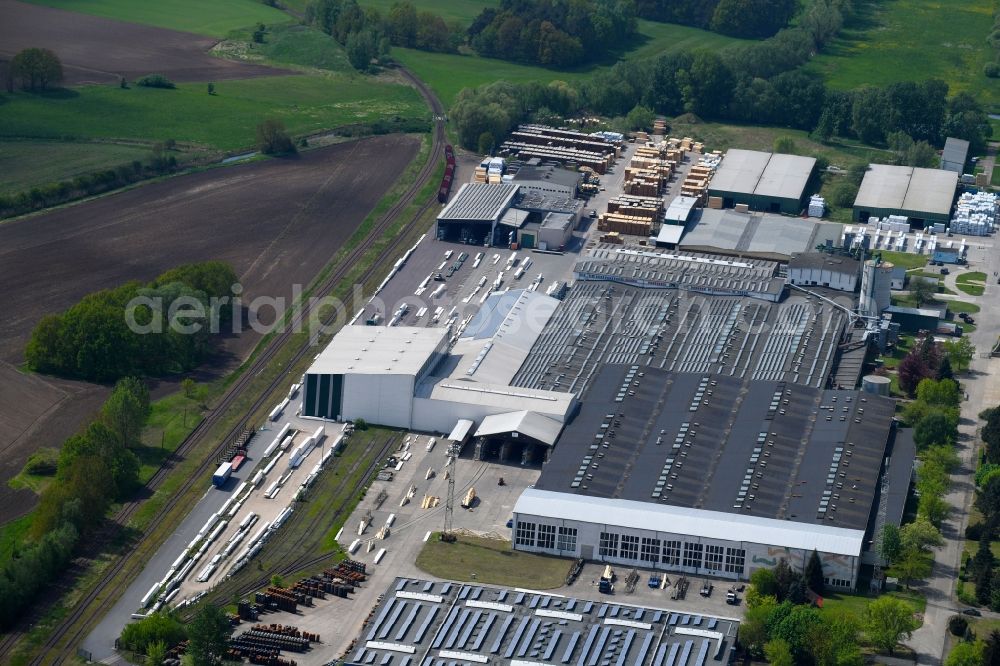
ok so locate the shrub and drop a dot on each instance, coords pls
(957, 625)
(992, 70)
(973, 531)
(42, 462)
(155, 81)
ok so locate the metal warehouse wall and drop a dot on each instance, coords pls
(381, 399)
(835, 567)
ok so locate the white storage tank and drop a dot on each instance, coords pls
(876, 384)
(876, 285)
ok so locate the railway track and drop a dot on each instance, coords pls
(61, 643)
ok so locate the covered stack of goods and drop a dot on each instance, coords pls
(817, 206)
(660, 126)
(976, 214)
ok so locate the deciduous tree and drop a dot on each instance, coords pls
(887, 622)
(36, 68)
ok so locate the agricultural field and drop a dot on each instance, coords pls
(24, 164)
(447, 74)
(98, 50)
(226, 120)
(214, 19)
(914, 40)
(277, 222)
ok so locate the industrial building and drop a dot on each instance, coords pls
(925, 196)
(758, 235)
(707, 473)
(955, 155)
(547, 180)
(474, 213)
(771, 182)
(501, 214)
(820, 269)
(428, 623)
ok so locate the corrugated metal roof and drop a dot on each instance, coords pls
(630, 514)
(483, 202)
(954, 155)
(530, 424)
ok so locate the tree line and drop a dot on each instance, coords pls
(757, 82)
(553, 33)
(107, 335)
(366, 34)
(96, 467)
(738, 18)
(159, 162)
(981, 569)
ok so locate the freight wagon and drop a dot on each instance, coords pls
(236, 462)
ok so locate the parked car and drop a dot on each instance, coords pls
(972, 612)
(945, 271)
(706, 589)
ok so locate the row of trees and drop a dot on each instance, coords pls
(96, 467)
(136, 329)
(972, 651)
(553, 33)
(788, 630)
(160, 162)
(982, 569)
(927, 360)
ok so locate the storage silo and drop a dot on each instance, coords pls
(876, 384)
(876, 283)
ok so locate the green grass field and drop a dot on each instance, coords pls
(215, 18)
(24, 164)
(12, 534)
(904, 259)
(491, 561)
(971, 283)
(447, 74)
(288, 44)
(914, 40)
(226, 120)
(462, 11)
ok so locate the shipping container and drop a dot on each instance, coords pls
(222, 474)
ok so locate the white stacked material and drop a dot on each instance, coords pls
(277, 440)
(976, 214)
(276, 412)
(817, 206)
(895, 223)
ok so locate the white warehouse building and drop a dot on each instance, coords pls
(672, 538)
(820, 269)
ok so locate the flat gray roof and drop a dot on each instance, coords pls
(954, 155)
(480, 202)
(831, 262)
(907, 188)
(764, 174)
(756, 234)
(376, 350)
(431, 623)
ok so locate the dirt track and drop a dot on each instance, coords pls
(277, 223)
(99, 50)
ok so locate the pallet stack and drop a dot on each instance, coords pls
(624, 224)
(650, 208)
(660, 126)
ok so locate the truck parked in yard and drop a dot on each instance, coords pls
(222, 474)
